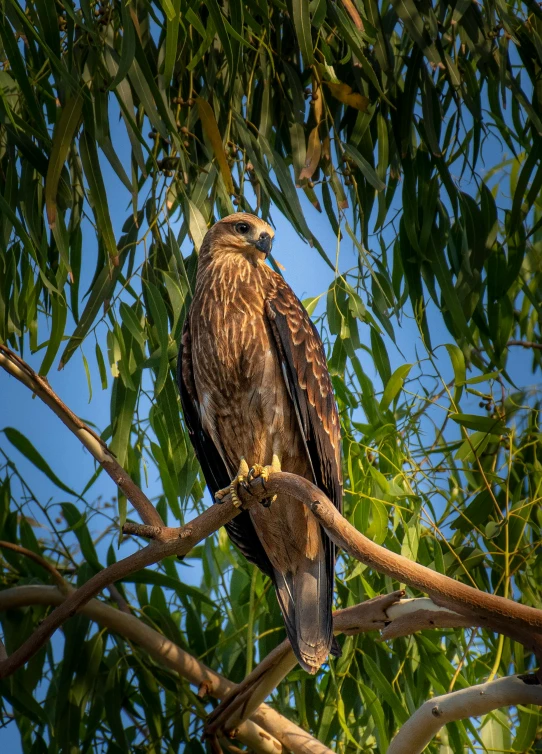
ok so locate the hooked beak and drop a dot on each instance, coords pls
(264, 243)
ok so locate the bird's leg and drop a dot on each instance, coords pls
(242, 474)
(264, 471)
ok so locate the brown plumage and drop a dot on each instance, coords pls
(254, 383)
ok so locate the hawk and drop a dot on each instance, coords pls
(256, 394)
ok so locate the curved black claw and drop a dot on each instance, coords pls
(245, 484)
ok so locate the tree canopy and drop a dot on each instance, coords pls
(415, 129)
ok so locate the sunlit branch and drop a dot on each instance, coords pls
(388, 613)
(418, 731)
(488, 608)
(265, 733)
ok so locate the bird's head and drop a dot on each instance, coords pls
(240, 234)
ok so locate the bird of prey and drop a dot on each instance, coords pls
(256, 395)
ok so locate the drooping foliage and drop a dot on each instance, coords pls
(415, 129)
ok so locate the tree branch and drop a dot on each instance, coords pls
(247, 696)
(19, 369)
(57, 577)
(476, 607)
(179, 542)
(525, 344)
(442, 589)
(387, 613)
(409, 616)
(417, 732)
(505, 616)
(265, 733)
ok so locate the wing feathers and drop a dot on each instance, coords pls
(304, 368)
(241, 529)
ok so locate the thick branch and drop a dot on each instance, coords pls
(266, 733)
(458, 596)
(408, 616)
(186, 537)
(387, 613)
(19, 369)
(417, 732)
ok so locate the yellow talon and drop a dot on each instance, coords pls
(264, 472)
(258, 471)
(242, 474)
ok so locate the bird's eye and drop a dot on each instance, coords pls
(242, 228)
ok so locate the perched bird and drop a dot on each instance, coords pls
(256, 394)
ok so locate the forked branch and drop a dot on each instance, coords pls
(418, 731)
(266, 733)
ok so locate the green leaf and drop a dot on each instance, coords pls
(24, 446)
(63, 136)
(197, 224)
(58, 324)
(101, 366)
(77, 523)
(394, 385)
(102, 290)
(160, 321)
(98, 195)
(475, 445)
(411, 539)
(302, 24)
(210, 128)
(172, 35)
(527, 729)
(128, 46)
(368, 171)
(480, 423)
(385, 689)
(156, 578)
(380, 356)
(414, 23)
(458, 363)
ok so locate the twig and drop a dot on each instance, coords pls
(418, 731)
(19, 369)
(525, 344)
(57, 577)
(119, 599)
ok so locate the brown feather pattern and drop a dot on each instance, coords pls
(254, 382)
